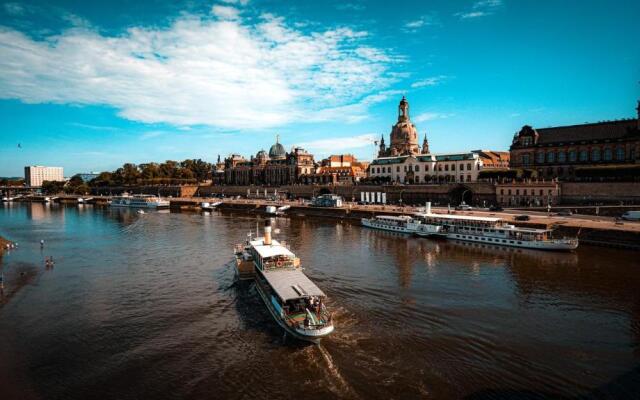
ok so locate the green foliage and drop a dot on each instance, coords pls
(167, 173)
(52, 187)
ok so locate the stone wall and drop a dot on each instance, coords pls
(475, 193)
(600, 192)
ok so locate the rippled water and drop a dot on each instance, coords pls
(145, 306)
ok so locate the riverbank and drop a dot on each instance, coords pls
(599, 231)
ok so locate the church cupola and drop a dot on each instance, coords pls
(403, 110)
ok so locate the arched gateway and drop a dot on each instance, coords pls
(460, 193)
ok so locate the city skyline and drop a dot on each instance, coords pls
(88, 87)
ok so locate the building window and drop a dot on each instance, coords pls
(417, 168)
(509, 192)
(572, 156)
(426, 168)
(446, 167)
(525, 159)
(608, 154)
(453, 167)
(551, 157)
(595, 154)
(620, 154)
(583, 155)
(562, 156)
(525, 192)
(468, 166)
(502, 192)
(540, 158)
(517, 192)
(540, 192)
(398, 168)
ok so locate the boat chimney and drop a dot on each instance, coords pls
(267, 231)
(427, 207)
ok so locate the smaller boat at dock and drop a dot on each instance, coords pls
(139, 201)
(393, 223)
(292, 299)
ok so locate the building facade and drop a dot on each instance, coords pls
(529, 194)
(426, 168)
(605, 149)
(34, 175)
(336, 170)
(272, 169)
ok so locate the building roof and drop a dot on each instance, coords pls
(291, 284)
(460, 217)
(455, 156)
(277, 151)
(274, 249)
(584, 132)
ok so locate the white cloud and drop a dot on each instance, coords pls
(415, 25)
(238, 2)
(481, 8)
(430, 116)
(472, 14)
(231, 74)
(432, 81)
(14, 8)
(340, 144)
(225, 12)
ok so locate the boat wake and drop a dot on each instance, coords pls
(340, 384)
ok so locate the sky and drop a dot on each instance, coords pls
(90, 85)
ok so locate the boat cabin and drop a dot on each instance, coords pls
(272, 256)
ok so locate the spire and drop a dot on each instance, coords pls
(277, 138)
(425, 145)
(218, 158)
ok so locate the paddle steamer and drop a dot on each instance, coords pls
(293, 300)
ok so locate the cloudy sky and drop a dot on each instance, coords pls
(91, 85)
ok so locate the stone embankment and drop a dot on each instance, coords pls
(601, 231)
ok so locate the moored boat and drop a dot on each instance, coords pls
(490, 230)
(292, 299)
(139, 201)
(393, 223)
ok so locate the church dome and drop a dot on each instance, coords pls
(261, 154)
(277, 151)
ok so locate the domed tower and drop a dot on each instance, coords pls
(404, 135)
(277, 151)
(262, 157)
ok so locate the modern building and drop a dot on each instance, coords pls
(608, 149)
(34, 175)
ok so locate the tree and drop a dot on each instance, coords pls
(52, 187)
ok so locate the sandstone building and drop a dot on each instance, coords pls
(602, 150)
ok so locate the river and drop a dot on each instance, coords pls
(146, 306)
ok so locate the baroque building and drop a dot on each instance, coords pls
(277, 167)
(604, 150)
(404, 136)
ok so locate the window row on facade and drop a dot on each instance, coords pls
(595, 154)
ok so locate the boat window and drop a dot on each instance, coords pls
(519, 242)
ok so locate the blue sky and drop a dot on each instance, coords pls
(91, 85)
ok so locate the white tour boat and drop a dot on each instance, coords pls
(293, 300)
(489, 230)
(393, 223)
(139, 201)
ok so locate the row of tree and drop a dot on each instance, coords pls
(167, 173)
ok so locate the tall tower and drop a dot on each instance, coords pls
(382, 149)
(425, 145)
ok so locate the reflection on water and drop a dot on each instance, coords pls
(146, 306)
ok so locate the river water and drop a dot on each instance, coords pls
(146, 306)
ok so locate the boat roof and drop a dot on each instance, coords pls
(271, 250)
(291, 284)
(460, 217)
(395, 217)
